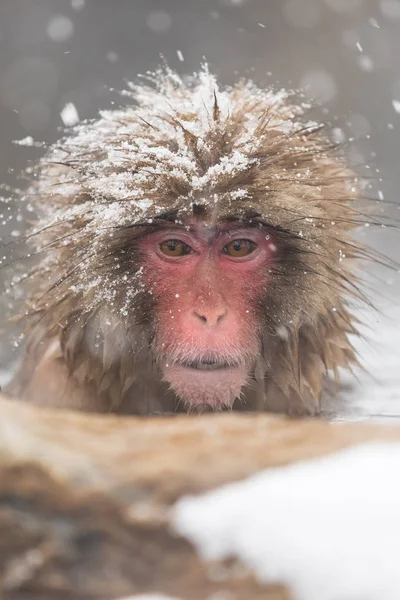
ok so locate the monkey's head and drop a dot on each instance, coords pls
(203, 231)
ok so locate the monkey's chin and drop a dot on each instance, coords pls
(215, 389)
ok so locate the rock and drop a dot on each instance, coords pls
(85, 499)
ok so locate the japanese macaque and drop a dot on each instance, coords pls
(195, 253)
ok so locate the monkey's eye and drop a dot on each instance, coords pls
(239, 248)
(175, 248)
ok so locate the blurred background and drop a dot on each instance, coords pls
(344, 53)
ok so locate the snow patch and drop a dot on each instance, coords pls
(328, 528)
(396, 105)
(26, 141)
(69, 115)
(373, 394)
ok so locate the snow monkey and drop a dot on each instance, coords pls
(195, 254)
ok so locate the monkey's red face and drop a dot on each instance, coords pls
(207, 283)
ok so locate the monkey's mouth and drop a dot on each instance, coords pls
(205, 365)
(206, 383)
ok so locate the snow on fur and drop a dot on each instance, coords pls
(118, 165)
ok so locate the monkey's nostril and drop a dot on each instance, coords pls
(212, 318)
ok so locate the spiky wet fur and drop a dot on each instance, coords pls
(183, 149)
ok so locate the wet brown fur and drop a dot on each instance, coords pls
(84, 352)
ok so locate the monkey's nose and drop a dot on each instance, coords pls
(209, 316)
